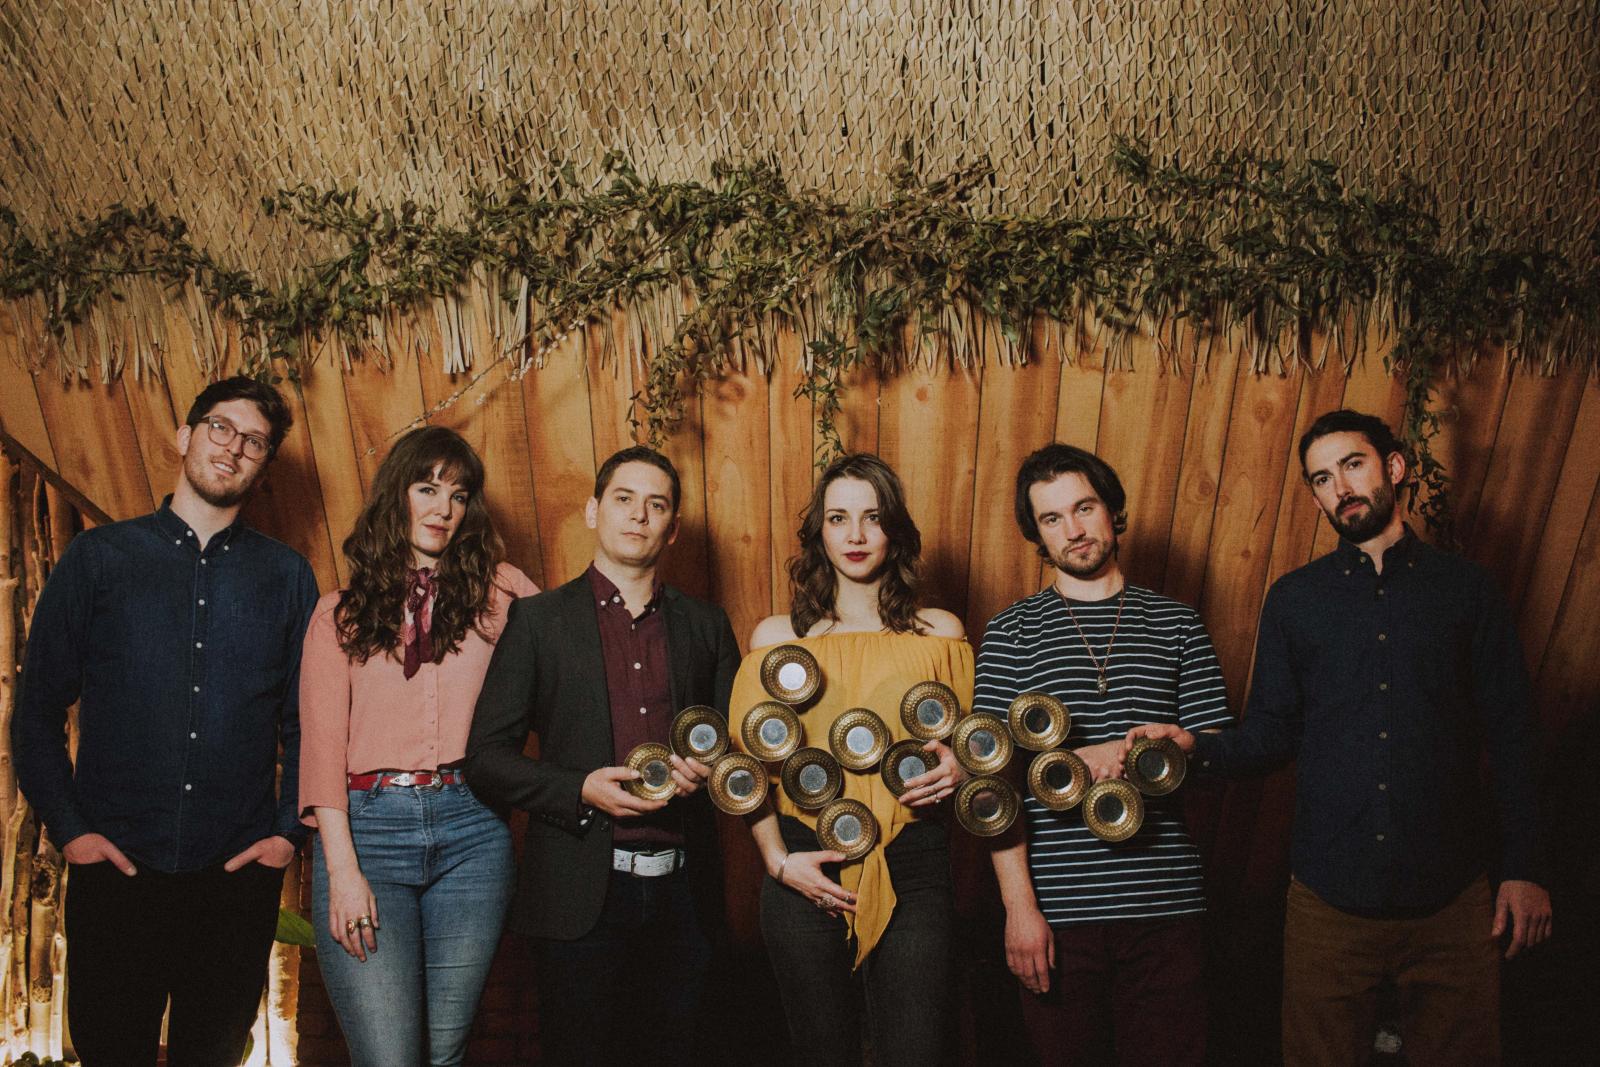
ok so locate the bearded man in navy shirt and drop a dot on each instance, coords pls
(1387, 667)
(178, 636)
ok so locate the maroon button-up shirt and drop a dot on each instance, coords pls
(640, 689)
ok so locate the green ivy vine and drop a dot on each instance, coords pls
(1284, 260)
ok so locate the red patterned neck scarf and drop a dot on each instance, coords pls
(415, 633)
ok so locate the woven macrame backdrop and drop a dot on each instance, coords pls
(203, 108)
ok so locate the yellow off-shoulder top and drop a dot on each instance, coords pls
(861, 670)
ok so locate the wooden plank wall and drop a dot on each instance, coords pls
(1217, 509)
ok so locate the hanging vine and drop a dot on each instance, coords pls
(1282, 260)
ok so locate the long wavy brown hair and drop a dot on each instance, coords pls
(371, 610)
(813, 582)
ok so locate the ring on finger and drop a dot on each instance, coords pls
(363, 922)
(349, 926)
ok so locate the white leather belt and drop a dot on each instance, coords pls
(647, 864)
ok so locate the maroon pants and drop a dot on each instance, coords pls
(1126, 991)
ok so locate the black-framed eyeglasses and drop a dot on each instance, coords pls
(222, 432)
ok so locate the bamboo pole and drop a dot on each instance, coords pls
(43, 922)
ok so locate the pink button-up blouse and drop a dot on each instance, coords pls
(369, 716)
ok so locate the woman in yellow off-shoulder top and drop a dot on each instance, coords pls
(882, 925)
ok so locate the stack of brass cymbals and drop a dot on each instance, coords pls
(1113, 809)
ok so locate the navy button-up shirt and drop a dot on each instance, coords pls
(1388, 687)
(185, 666)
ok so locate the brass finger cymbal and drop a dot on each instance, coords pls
(1038, 721)
(738, 783)
(858, 739)
(1058, 779)
(1113, 810)
(811, 778)
(906, 759)
(847, 826)
(981, 743)
(987, 805)
(1155, 766)
(699, 732)
(771, 731)
(790, 673)
(654, 764)
(929, 711)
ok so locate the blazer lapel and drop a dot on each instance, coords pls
(581, 636)
(680, 645)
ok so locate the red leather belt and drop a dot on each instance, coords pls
(420, 779)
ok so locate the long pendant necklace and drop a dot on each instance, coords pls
(1099, 664)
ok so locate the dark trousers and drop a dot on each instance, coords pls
(905, 985)
(630, 990)
(1126, 991)
(200, 938)
(1446, 966)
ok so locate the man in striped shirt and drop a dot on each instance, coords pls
(1118, 924)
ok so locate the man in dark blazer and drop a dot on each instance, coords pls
(622, 895)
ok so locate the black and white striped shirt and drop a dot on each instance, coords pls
(1161, 668)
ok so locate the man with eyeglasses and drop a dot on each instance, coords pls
(178, 636)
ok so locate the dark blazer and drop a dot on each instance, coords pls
(547, 677)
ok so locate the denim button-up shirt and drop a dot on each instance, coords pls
(1388, 687)
(185, 666)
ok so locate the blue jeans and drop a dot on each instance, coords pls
(902, 994)
(441, 868)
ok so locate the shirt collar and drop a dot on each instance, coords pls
(179, 530)
(608, 595)
(1399, 552)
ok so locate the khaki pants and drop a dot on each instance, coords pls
(1446, 967)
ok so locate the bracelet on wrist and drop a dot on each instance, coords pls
(781, 865)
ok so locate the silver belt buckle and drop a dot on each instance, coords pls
(406, 778)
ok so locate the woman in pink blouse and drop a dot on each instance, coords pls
(411, 873)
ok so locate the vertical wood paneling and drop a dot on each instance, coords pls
(20, 414)
(860, 418)
(687, 564)
(1251, 490)
(1141, 435)
(555, 400)
(1298, 520)
(610, 389)
(490, 416)
(790, 461)
(1466, 439)
(928, 431)
(1522, 476)
(738, 497)
(288, 503)
(92, 436)
(1567, 682)
(1016, 414)
(1562, 528)
(322, 398)
(156, 426)
(1205, 440)
(381, 397)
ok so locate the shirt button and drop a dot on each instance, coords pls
(193, 735)
(1383, 637)
(225, 548)
(197, 689)
(1383, 735)
(636, 666)
(1382, 786)
(179, 541)
(188, 533)
(202, 601)
(187, 787)
(199, 644)
(1380, 837)
(641, 711)
(202, 563)
(1347, 572)
(1380, 592)
(1383, 686)
(616, 600)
